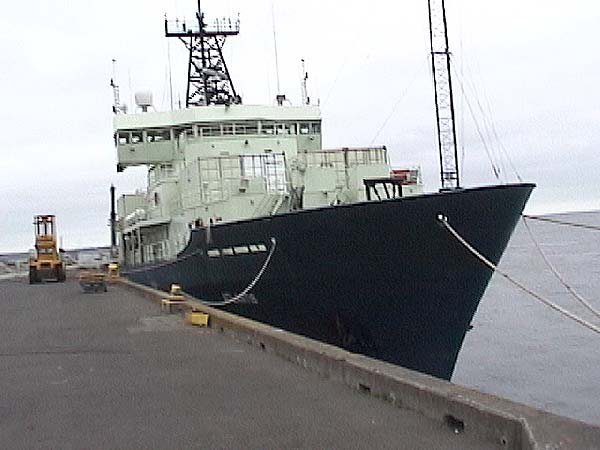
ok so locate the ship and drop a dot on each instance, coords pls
(247, 212)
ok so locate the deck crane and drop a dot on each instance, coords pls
(444, 99)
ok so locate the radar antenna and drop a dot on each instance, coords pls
(209, 81)
(444, 99)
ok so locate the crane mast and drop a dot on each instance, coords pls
(444, 99)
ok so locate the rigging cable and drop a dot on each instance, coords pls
(494, 268)
(495, 169)
(486, 118)
(491, 126)
(402, 97)
(362, 23)
(569, 288)
(275, 48)
(501, 145)
(562, 222)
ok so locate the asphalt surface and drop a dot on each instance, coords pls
(103, 371)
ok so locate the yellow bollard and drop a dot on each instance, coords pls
(174, 298)
(113, 271)
(197, 318)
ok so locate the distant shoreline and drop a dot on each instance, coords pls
(12, 256)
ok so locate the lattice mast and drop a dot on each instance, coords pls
(209, 81)
(444, 99)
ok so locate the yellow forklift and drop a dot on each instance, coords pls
(46, 264)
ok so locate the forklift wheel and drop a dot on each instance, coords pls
(33, 276)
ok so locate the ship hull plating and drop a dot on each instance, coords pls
(384, 279)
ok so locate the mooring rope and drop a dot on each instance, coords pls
(494, 268)
(560, 278)
(562, 222)
(248, 288)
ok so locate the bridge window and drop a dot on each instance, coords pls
(137, 137)
(267, 128)
(310, 127)
(209, 130)
(290, 128)
(189, 131)
(124, 138)
(304, 128)
(158, 135)
(246, 128)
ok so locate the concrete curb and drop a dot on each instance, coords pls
(512, 425)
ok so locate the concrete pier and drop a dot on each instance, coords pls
(109, 370)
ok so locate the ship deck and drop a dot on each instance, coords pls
(109, 370)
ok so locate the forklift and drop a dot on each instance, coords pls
(46, 264)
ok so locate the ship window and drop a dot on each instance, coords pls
(124, 138)
(267, 128)
(137, 137)
(227, 129)
(239, 128)
(189, 132)
(167, 169)
(227, 251)
(246, 128)
(258, 248)
(210, 130)
(252, 128)
(304, 128)
(316, 128)
(215, 253)
(158, 135)
(241, 250)
(290, 128)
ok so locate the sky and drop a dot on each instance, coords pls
(525, 79)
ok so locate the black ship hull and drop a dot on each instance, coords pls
(384, 279)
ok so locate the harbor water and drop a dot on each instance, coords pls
(521, 349)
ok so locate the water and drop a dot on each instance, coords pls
(522, 350)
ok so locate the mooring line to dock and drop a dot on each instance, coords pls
(248, 288)
(444, 221)
(560, 278)
(562, 222)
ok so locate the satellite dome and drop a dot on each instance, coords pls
(143, 99)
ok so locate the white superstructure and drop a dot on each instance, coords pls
(220, 163)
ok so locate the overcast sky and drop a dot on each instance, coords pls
(529, 71)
